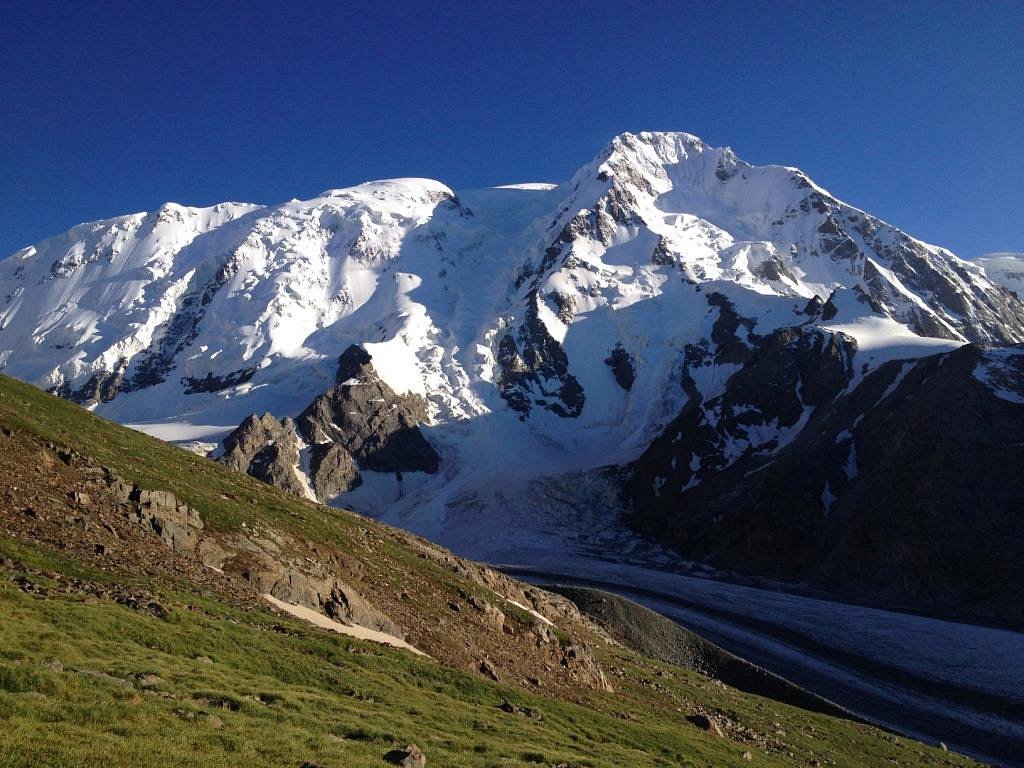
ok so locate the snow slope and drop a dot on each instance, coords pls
(1006, 269)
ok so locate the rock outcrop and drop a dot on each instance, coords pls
(360, 423)
(332, 470)
(268, 561)
(535, 369)
(364, 416)
(783, 377)
(896, 492)
(268, 450)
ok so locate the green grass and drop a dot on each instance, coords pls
(286, 694)
(284, 697)
(278, 692)
(225, 498)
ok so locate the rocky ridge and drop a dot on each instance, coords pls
(359, 423)
(896, 491)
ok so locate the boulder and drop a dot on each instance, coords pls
(410, 757)
(706, 723)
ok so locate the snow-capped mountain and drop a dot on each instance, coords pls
(1006, 269)
(529, 335)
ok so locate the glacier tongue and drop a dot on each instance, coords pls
(516, 313)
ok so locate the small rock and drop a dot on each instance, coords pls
(943, 747)
(748, 755)
(706, 723)
(512, 709)
(486, 668)
(148, 681)
(214, 721)
(54, 664)
(204, 659)
(102, 549)
(410, 757)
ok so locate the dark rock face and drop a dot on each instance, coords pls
(100, 388)
(784, 375)
(773, 270)
(152, 366)
(365, 417)
(621, 363)
(896, 492)
(267, 449)
(535, 369)
(961, 307)
(726, 331)
(332, 470)
(825, 310)
(211, 383)
(359, 423)
(179, 332)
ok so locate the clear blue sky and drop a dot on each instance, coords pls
(912, 111)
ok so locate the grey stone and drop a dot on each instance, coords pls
(373, 424)
(266, 449)
(332, 470)
(410, 757)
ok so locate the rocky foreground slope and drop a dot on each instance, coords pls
(147, 600)
(462, 363)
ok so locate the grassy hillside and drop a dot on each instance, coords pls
(116, 651)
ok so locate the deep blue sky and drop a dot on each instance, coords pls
(912, 111)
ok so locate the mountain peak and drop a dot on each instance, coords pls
(647, 147)
(402, 186)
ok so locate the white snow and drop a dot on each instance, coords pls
(352, 630)
(1006, 269)
(1002, 371)
(530, 186)
(426, 280)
